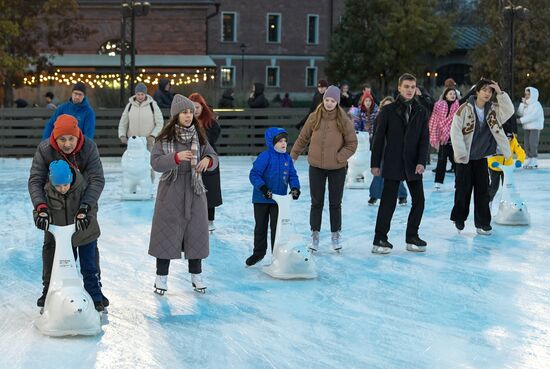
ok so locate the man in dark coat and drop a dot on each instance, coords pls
(163, 96)
(322, 86)
(401, 141)
(257, 98)
(68, 143)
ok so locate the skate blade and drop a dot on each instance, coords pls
(159, 291)
(199, 290)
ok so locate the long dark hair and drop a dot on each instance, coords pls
(168, 133)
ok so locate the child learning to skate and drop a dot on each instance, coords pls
(272, 173)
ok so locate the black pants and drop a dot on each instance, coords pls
(48, 253)
(468, 177)
(264, 215)
(445, 151)
(317, 183)
(496, 178)
(387, 207)
(195, 266)
(211, 213)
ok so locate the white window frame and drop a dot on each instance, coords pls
(279, 28)
(235, 16)
(234, 73)
(267, 76)
(316, 42)
(314, 84)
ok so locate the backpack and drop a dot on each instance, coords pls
(150, 105)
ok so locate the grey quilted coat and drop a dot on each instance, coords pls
(180, 220)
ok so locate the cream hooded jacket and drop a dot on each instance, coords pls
(531, 113)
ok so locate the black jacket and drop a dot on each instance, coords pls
(259, 100)
(226, 102)
(317, 99)
(401, 145)
(162, 97)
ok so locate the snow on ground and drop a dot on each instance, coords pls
(469, 302)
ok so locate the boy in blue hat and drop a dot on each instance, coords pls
(272, 173)
(64, 191)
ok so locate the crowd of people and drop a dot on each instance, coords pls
(471, 132)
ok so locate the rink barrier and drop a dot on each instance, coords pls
(242, 130)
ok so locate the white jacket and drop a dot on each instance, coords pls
(140, 121)
(531, 113)
(464, 124)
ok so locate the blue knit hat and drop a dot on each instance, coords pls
(60, 173)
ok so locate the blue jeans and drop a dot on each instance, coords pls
(377, 184)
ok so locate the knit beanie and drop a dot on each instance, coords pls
(140, 87)
(80, 86)
(279, 137)
(60, 173)
(334, 92)
(65, 124)
(179, 104)
(322, 83)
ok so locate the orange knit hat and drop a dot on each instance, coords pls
(65, 124)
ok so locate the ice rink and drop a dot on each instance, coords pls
(469, 302)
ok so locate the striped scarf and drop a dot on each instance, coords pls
(186, 135)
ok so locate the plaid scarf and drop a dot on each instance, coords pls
(186, 135)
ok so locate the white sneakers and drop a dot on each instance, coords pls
(198, 284)
(161, 284)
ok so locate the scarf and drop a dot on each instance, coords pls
(186, 135)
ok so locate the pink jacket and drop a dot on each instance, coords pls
(440, 123)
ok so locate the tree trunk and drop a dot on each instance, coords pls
(8, 91)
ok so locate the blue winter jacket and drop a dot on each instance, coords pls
(273, 169)
(83, 113)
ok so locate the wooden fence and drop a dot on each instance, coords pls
(242, 131)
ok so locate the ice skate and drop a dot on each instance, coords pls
(402, 201)
(484, 230)
(253, 259)
(437, 186)
(372, 201)
(336, 240)
(381, 247)
(99, 306)
(161, 284)
(459, 225)
(314, 241)
(198, 285)
(416, 244)
(211, 226)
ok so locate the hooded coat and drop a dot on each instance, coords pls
(531, 113)
(141, 119)
(272, 169)
(180, 220)
(258, 100)
(162, 97)
(226, 102)
(83, 113)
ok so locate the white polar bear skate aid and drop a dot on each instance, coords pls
(359, 163)
(69, 309)
(290, 257)
(511, 210)
(136, 170)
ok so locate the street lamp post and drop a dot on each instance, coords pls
(243, 48)
(512, 11)
(131, 10)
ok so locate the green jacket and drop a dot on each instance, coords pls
(63, 209)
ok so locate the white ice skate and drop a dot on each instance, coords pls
(211, 226)
(136, 170)
(161, 284)
(198, 284)
(359, 164)
(290, 258)
(511, 210)
(69, 309)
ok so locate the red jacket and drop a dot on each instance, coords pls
(440, 122)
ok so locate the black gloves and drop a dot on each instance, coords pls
(266, 191)
(295, 193)
(42, 217)
(81, 219)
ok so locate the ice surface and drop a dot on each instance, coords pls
(469, 302)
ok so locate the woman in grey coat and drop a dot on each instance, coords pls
(180, 221)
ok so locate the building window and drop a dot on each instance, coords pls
(229, 27)
(227, 77)
(312, 29)
(272, 77)
(311, 76)
(274, 27)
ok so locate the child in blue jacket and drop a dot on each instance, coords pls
(272, 173)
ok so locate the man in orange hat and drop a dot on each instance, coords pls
(67, 143)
